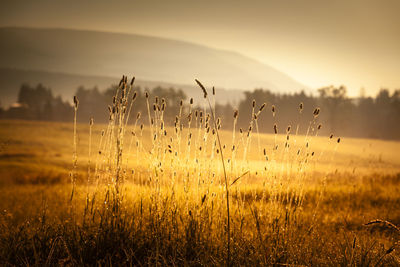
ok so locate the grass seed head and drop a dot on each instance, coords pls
(76, 102)
(202, 88)
(316, 112)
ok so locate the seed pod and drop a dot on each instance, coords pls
(121, 81)
(262, 107)
(288, 129)
(181, 103)
(91, 121)
(191, 101)
(133, 80)
(146, 94)
(134, 96)
(275, 128)
(235, 114)
(273, 108)
(202, 88)
(338, 140)
(319, 127)
(213, 90)
(316, 112)
(76, 102)
(138, 115)
(254, 103)
(331, 136)
(301, 107)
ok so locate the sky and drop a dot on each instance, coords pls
(355, 43)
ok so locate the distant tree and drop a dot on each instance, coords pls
(335, 105)
(377, 117)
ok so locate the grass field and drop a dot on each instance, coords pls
(136, 199)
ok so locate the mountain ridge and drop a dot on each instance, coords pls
(149, 58)
(82, 50)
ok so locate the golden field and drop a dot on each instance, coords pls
(176, 215)
(193, 193)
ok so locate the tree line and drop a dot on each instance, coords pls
(367, 117)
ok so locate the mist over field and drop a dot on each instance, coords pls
(180, 133)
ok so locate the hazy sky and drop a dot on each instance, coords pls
(318, 43)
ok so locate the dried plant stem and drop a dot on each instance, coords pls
(75, 155)
(225, 175)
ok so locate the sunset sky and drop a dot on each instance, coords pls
(318, 43)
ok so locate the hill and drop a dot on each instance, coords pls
(104, 54)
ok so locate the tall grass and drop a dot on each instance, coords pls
(177, 159)
(191, 192)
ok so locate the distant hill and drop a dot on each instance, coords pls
(93, 54)
(66, 84)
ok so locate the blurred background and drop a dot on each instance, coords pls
(340, 55)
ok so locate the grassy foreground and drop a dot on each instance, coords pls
(286, 208)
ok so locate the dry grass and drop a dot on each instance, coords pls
(157, 194)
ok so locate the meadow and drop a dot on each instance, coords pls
(141, 191)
